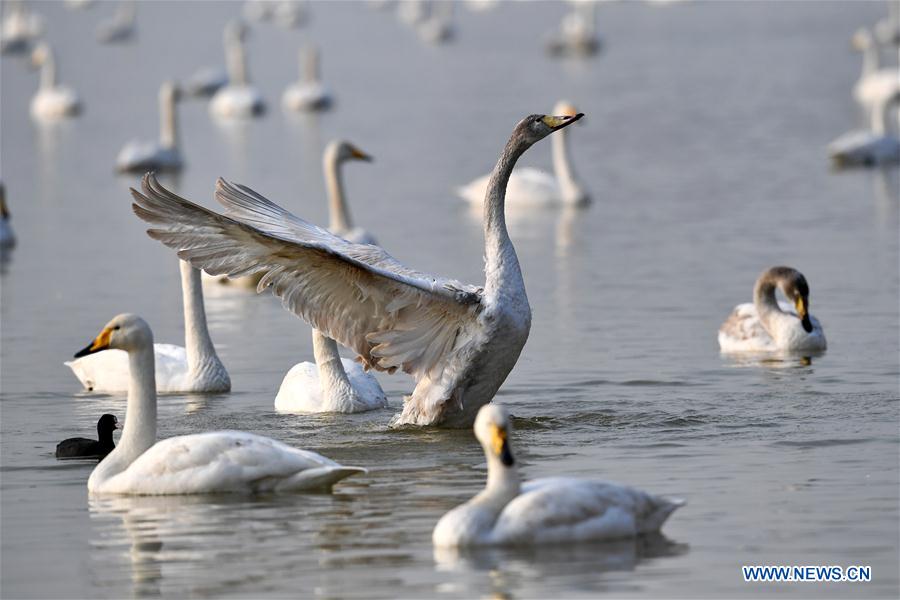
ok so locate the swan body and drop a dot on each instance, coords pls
(875, 84)
(458, 341)
(87, 448)
(577, 34)
(121, 27)
(7, 237)
(206, 82)
(309, 93)
(533, 187)
(20, 28)
(553, 510)
(437, 28)
(767, 325)
(238, 99)
(332, 383)
(162, 155)
(194, 368)
(52, 100)
(868, 148)
(214, 462)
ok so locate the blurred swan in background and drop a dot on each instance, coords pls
(530, 186)
(219, 461)
(768, 325)
(121, 26)
(411, 12)
(458, 341)
(868, 147)
(875, 84)
(887, 29)
(161, 155)
(544, 511)
(20, 28)
(437, 27)
(238, 99)
(52, 100)
(309, 93)
(290, 14)
(577, 33)
(7, 237)
(194, 368)
(332, 383)
(205, 82)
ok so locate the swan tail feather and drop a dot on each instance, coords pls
(317, 479)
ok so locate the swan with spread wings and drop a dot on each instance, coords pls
(458, 341)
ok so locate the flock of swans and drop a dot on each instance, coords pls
(457, 341)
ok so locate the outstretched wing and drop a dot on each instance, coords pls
(357, 294)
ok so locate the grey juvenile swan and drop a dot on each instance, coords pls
(458, 341)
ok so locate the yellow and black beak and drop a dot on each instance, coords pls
(556, 123)
(101, 342)
(501, 446)
(360, 155)
(802, 306)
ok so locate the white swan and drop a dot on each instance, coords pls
(868, 147)
(52, 100)
(875, 84)
(769, 326)
(529, 186)
(239, 99)
(20, 28)
(194, 368)
(7, 237)
(577, 34)
(205, 82)
(162, 155)
(543, 511)
(332, 383)
(437, 28)
(121, 26)
(887, 29)
(309, 93)
(214, 462)
(458, 341)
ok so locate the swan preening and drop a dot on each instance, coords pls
(869, 147)
(52, 100)
(458, 341)
(215, 462)
(239, 98)
(121, 26)
(529, 186)
(543, 511)
(194, 368)
(332, 383)
(767, 325)
(162, 155)
(87, 448)
(876, 84)
(309, 93)
(577, 33)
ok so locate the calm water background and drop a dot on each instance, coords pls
(704, 148)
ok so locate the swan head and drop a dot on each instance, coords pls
(107, 424)
(236, 31)
(124, 332)
(340, 151)
(795, 288)
(861, 39)
(534, 128)
(492, 428)
(169, 90)
(40, 55)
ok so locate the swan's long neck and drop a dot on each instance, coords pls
(310, 63)
(336, 386)
(339, 213)
(879, 115)
(168, 123)
(765, 301)
(562, 167)
(139, 432)
(235, 59)
(871, 62)
(503, 485)
(201, 354)
(501, 263)
(48, 72)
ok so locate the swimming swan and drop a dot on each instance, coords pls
(52, 100)
(332, 383)
(868, 147)
(238, 99)
(875, 84)
(529, 186)
(543, 511)
(577, 34)
(458, 341)
(20, 28)
(121, 27)
(203, 463)
(309, 93)
(162, 155)
(194, 368)
(767, 325)
(87, 448)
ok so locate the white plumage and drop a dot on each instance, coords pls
(309, 93)
(162, 155)
(215, 462)
(52, 100)
(239, 98)
(875, 84)
(543, 511)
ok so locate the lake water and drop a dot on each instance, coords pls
(703, 146)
